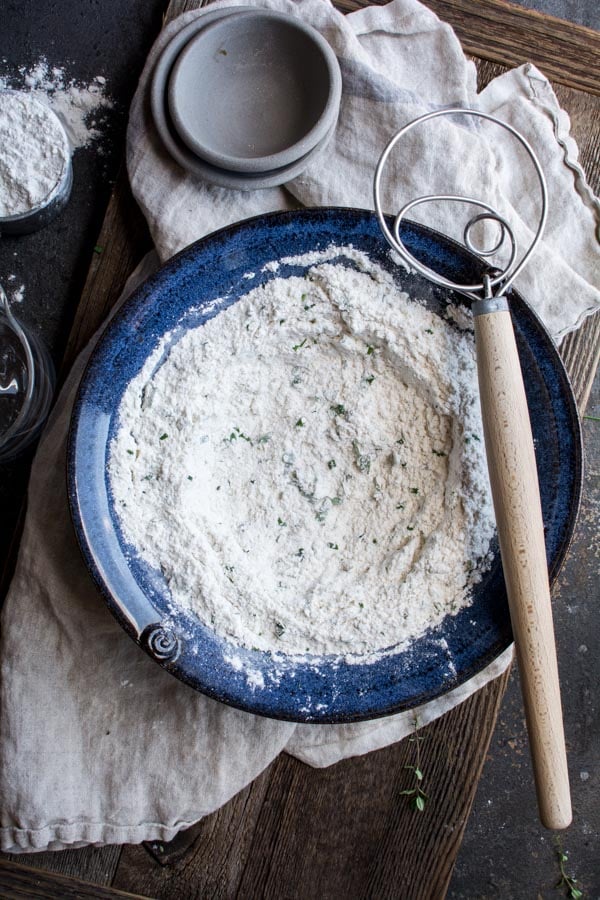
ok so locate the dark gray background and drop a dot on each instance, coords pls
(505, 853)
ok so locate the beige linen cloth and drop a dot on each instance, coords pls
(100, 745)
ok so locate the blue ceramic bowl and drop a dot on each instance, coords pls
(180, 296)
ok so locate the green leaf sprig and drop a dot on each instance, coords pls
(417, 795)
(566, 881)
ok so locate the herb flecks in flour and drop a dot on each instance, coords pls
(322, 498)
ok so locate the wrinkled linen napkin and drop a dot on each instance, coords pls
(98, 743)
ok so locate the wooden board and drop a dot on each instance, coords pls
(22, 883)
(510, 35)
(347, 830)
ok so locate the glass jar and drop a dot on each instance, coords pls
(26, 383)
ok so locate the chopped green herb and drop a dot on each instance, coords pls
(299, 552)
(164, 436)
(279, 629)
(362, 460)
(190, 478)
(370, 379)
(410, 527)
(339, 409)
(281, 522)
(218, 487)
(130, 452)
(264, 438)
(281, 321)
(331, 464)
(399, 505)
(362, 605)
(299, 424)
(438, 452)
(400, 441)
(370, 351)
(592, 418)
(414, 490)
(298, 346)
(332, 546)
(309, 306)
(429, 330)
(98, 249)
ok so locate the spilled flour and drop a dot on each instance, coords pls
(80, 106)
(307, 469)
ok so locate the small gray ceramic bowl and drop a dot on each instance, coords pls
(255, 92)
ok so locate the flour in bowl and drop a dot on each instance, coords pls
(307, 469)
(34, 153)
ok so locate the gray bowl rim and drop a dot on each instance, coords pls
(269, 162)
(178, 151)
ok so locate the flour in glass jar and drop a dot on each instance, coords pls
(307, 469)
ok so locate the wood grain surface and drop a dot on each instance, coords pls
(19, 882)
(347, 830)
(344, 831)
(510, 35)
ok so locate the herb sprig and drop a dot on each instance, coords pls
(416, 793)
(566, 881)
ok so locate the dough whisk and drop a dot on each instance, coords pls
(512, 468)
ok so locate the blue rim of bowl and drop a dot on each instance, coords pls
(283, 158)
(325, 691)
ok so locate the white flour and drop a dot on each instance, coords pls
(34, 153)
(307, 469)
(78, 105)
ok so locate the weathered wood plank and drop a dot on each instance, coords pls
(23, 883)
(345, 831)
(498, 31)
(95, 864)
(123, 240)
(581, 353)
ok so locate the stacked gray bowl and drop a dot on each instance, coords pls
(246, 98)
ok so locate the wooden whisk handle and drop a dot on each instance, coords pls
(515, 490)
